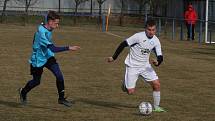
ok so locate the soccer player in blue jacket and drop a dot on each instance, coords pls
(43, 56)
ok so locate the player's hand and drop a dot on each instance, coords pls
(110, 59)
(154, 62)
(74, 48)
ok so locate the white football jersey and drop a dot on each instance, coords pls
(140, 49)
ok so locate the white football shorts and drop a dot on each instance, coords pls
(132, 74)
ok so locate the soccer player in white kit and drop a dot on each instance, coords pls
(137, 61)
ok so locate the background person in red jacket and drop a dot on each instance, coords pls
(190, 18)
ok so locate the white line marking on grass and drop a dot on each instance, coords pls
(114, 34)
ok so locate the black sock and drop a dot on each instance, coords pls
(61, 95)
(60, 87)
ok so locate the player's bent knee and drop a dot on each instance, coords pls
(156, 85)
(59, 76)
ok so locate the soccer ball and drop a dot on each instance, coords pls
(145, 108)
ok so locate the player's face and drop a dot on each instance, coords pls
(54, 23)
(150, 31)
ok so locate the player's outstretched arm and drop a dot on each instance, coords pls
(118, 51)
(57, 49)
(74, 48)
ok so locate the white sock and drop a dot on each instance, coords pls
(156, 97)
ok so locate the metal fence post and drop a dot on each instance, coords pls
(181, 34)
(200, 32)
(191, 31)
(159, 27)
(210, 36)
(173, 29)
(146, 17)
(45, 17)
(103, 23)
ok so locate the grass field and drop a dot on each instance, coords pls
(187, 79)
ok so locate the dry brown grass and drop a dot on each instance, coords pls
(187, 79)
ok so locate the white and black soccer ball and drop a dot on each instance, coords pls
(145, 108)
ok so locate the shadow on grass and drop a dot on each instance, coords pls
(115, 105)
(141, 115)
(18, 105)
(10, 104)
(47, 108)
(204, 53)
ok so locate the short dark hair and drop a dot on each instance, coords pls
(150, 23)
(52, 15)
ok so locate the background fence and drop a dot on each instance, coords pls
(169, 14)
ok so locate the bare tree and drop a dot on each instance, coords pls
(141, 4)
(91, 7)
(4, 10)
(77, 3)
(156, 5)
(100, 5)
(59, 6)
(122, 10)
(100, 2)
(27, 4)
